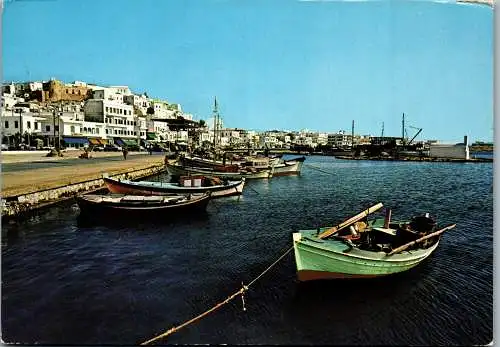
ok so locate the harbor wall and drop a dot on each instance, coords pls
(17, 205)
(458, 151)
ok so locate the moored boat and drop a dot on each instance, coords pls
(249, 173)
(289, 167)
(133, 205)
(361, 248)
(187, 185)
(216, 165)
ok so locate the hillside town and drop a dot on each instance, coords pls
(57, 115)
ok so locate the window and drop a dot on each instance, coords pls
(72, 129)
(97, 130)
(6, 124)
(121, 111)
(47, 128)
(36, 125)
(107, 109)
(135, 123)
(106, 131)
(16, 124)
(116, 133)
(56, 127)
(28, 123)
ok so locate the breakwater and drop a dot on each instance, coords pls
(419, 159)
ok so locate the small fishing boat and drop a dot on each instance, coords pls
(150, 205)
(187, 185)
(362, 248)
(248, 173)
(215, 165)
(287, 167)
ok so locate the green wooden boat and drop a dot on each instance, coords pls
(381, 248)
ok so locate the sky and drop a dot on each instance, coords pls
(273, 64)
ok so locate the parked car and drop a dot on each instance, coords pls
(98, 148)
(112, 148)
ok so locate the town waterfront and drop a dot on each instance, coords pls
(68, 281)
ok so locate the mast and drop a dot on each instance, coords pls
(382, 130)
(403, 130)
(216, 122)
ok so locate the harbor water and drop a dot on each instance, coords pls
(72, 281)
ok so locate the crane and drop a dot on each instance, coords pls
(419, 130)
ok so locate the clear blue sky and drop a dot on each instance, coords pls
(273, 64)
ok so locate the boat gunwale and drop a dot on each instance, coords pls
(152, 206)
(173, 187)
(418, 253)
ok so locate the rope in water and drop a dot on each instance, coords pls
(241, 292)
(318, 169)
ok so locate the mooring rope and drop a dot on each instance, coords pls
(318, 169)
(241, 292)
(252, 189)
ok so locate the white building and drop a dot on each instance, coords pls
(21, 123)
(163, 110)
(8, 101)
(160, 129)
(119, 119)
(339, 140)
(140, 102)
(123, 90)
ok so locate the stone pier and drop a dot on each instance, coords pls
(28, 190)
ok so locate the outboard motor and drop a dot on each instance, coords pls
(423, 224)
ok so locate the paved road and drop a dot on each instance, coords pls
(32, 163)
(25, 177)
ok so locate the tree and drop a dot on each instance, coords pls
(150, 110)
(202, 123)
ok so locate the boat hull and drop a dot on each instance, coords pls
(331, 259)
(156, 188)
(289, 167)
(91, 206)
(177, 170)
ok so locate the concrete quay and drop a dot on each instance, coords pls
(28, 189)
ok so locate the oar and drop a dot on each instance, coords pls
(351, 220)
(405, 246)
